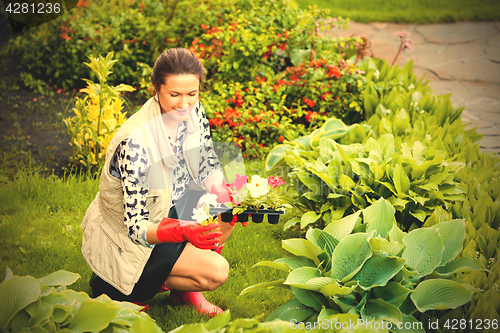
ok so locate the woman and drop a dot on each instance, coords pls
(139, 238)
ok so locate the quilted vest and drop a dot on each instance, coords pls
(105, 245)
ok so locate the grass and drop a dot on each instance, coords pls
(410, 11)
(40, 233)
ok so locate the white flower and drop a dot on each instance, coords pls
(199, 215)
(422, 111)
(376, 74)
(258, 186)
(209, 199)
(411, 86)
(428, 137)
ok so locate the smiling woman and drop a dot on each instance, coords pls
(139, 234)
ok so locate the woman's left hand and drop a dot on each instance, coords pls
(222, 192)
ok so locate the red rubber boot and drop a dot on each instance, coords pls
(196, 298)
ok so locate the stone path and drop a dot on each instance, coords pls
(459, 58)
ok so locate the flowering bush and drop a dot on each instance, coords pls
(259, 113)
(141, 30)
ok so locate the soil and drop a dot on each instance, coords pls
(32, 131)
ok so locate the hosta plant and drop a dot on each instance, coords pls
(41, 305)
(334, 179)
(98, 115)
(365, 265)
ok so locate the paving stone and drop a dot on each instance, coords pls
(470, 70)
(356, 29)
(474, 123)
(483, 105)
(419, 72)
(492, 48)
(492, 130)
(492, 91)
(490, 142)
(455, 33)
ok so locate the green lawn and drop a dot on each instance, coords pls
(40, 233)
(411, 11)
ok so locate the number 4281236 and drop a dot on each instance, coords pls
(33, 8)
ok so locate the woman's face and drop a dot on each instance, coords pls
(179, 95)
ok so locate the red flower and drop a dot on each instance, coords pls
(309, 102)
(333, 71)
(281, 138)
(275, 181)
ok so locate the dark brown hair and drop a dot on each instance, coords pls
(176, 61)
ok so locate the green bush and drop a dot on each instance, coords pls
(98, 115)
(371, 269)
(136, 31)
(45, 305)
(431, 171)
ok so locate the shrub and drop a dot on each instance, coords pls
(98, 115)
(459, 181)
(45, 305)
(371, 269)
(138, 32)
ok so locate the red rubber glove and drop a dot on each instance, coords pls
(171, 231)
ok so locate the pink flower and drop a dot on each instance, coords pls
(402, 34)
(275, 181)
(408, 44)
(238, 182)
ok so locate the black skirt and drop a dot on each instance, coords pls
(160, 263)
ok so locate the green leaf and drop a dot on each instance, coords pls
(219, 321)
(335, 290)
(93, 316)
(8, 274)
(302, 247)
(275, 156)
(59, 278)
(343, 227)
(301, 275)
(296, 262)
(275, 283)
(379, 217)
(384, 246)
(308, 218)
(379, 309)
(15, 294)
(377, 271)
(393, 293)
(350, 255)
(19, 321)
(453, 235)
(145, 324)
(189, 328)
(310, 298)
(291, 223)
(322, 239)
(396, 234)
(53, 305)
(401, 180)
(272, 264)
(461, 265)
(293, 309)
(440, 294)
(414, 325)
(424, 249)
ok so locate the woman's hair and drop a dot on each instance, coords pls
(176, 61)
